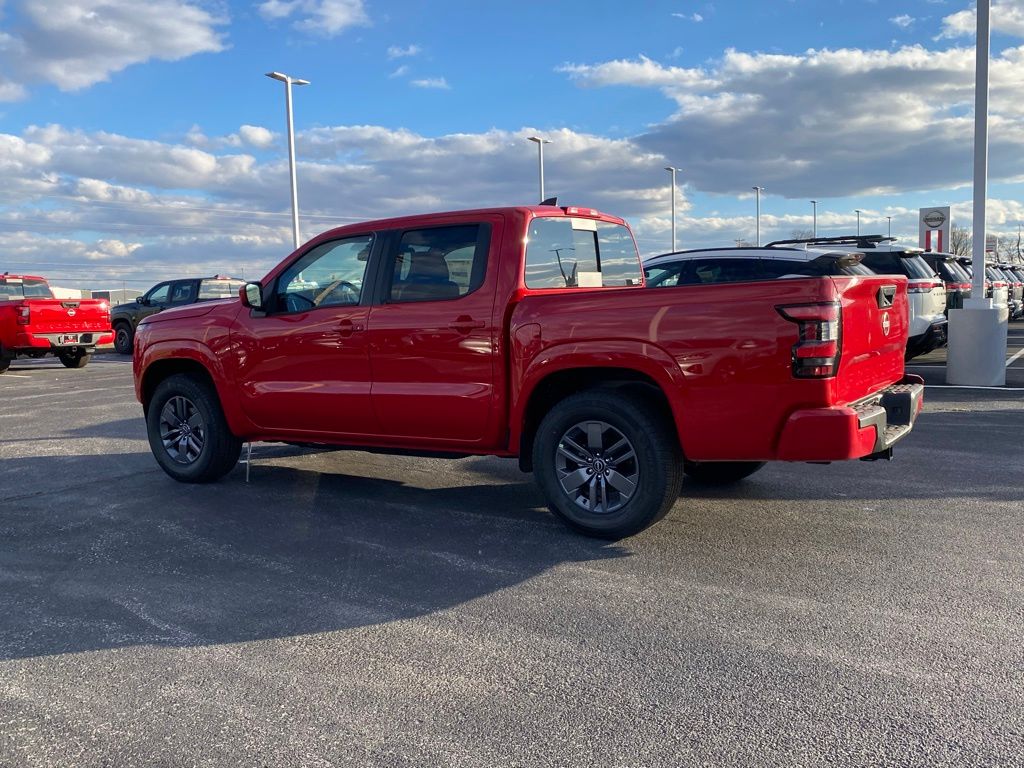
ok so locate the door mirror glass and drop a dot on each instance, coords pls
(252, 295)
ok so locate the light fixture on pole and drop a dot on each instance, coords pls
(288, 83)
(814, 226)
(757, 193)
(857, 211)
(672, 170)
(889, 219)
(540, 161)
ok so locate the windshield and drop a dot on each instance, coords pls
(568, 252)
(15, 289)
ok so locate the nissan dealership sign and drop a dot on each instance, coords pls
(934, 229)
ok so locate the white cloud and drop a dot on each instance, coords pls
(77, 43)
(256, 136)
(319, 17)
(833, 122)
(1007, 16)
(695, 17)
(397, 52)
(401, 71)
(903, 21)
(438, 83)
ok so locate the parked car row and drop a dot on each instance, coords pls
(936, 282)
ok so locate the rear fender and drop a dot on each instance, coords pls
(648, 359)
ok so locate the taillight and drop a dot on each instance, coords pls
(922, 287)
(24, 315)
(816, 352)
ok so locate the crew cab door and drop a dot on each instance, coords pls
(303, 363)
(433, 336)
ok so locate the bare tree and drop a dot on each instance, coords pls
(802, 234)
(960, 242)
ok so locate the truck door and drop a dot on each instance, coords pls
(433, 338)
(304, 361)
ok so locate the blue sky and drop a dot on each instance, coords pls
(141, 140)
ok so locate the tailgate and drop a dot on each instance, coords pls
(67, 315)
(874, 334)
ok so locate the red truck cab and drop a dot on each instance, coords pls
(33, 323)
(528, 332)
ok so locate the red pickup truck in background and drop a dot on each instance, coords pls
(33, 323)
(528, 332)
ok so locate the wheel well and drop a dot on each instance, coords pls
(560, 385)
(163, 369)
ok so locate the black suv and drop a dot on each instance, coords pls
(125, 318)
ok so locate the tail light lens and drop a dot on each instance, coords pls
(819, 327)
(24, 315)
(923, 287)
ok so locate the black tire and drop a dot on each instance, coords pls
(219, 449)
(124, 339)
(720, 472)
(74, 359)
(657, 462)
(5, 363)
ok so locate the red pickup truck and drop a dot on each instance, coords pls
(528, 332)
(33, 323)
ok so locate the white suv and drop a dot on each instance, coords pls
(925, 291)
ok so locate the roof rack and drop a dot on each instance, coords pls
(861, 241)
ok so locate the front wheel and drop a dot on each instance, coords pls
(5, 363)
(123, 339)
(188, 433)
(720, 472)
(607, 463)
(78, 359)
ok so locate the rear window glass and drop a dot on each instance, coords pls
(15, 290)
(219, 289)
(896, 263)
(569, 252)
(855, 269)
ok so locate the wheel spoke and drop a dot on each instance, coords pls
(621, 483)
(593, 495)
(573, 480)
(594, 436)
(604, 494)
(583, 452)
(571, 456)
(610, 454)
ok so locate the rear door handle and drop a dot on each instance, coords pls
(465, 324)
(347, 328)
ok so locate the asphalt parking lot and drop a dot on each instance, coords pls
(351, 609)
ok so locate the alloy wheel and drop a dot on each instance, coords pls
(182, 430)
(597, 467)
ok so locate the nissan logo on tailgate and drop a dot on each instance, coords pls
(71, 313)
(885, 323)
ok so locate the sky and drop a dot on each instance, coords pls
(141, 141)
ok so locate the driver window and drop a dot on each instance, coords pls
(330, 275)
(159, 295)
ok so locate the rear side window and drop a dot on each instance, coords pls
(855, 269)
(17, 289)
(710, 271)
(663, 277)
(569, 252)
(219, 289)
(439, 263)
(896, 263)
(776, 268)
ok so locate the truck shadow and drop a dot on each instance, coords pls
(144, 560)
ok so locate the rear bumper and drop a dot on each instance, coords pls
(933, 338)
(35, 342)
(860, 430)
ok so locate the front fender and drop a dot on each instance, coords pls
(161, 356)
(641, 357)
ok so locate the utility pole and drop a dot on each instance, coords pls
(288, 83)
(540, 162)
(814, 208)
(857, 211)
(672, 170)
(757, 192)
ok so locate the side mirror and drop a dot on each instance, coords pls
(143, 301)
(251, 295)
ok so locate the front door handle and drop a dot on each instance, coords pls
(347, 328)
(465, 324)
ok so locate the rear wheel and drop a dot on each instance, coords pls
(720, 472)
(78, 359)
(5, 363)
(123, 338)
(188, 433)
(607, 463)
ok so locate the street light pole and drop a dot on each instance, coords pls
(757, 193)
(857, 211)
(672, 170)
(889, 219)
(288, 83)
(540, 161)
(814, 228)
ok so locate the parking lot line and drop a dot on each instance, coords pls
(1008, 362)
(971, 386)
